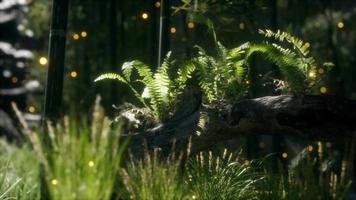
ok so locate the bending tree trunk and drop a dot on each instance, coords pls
(309, 117)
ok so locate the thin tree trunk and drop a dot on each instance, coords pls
(113, 46)
(56, 55)
(163, 44)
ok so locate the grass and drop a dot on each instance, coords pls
(221, 177)
(310, 177)
(82, 160)
(83, 169)
(18, 172)
(153, 177)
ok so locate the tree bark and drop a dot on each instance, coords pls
(307, 117)
(56, 55)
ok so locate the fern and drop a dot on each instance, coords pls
(287, 63)
(219, 74)
(225, 75)
(155, 95)
(297, 45)
(163, 81)
(118, 77)
(184, 74)
(205, 77)
(298, 51)
(159, 89)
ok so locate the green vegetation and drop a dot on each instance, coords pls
(154, 177)
(79, 160)
(158, 87)
(223, 77)
(206, 175)
(223, 51)
(309, 177)
(224, 177)
(18, 172)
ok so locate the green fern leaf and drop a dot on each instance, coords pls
(118, 77)
(162, 78)
(184, 73)
(111, 76)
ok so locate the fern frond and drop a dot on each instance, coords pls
(240, 70)
(287, 63)
(296, 43)
(206, 77)
(184, 73)
(154, 90)
(222, 51)
(162, 78)
(118, 77)
(236, 52)
(127, 69)
(111, 76)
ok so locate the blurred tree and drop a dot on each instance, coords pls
(15, 58)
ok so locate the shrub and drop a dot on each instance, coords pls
(79, 160)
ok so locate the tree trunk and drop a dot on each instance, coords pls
(56, 54)
(307, 117)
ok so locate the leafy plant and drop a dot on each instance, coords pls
(226, 75)
(223, 177)
(220, 77)
(154, 178)
(291, 55)
(18, 172)
(159, 88)
(79, 161)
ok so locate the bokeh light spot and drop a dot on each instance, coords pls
(144, 16)
(43, 61)
(173, 30)
(73, 74)
(323, 90)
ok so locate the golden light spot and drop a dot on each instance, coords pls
(284, 155)
(247, 82)
(242, 26)
(173, 30)
(307, 45)
(310, 148)
(194, 197)
(73, 74)
(157, 4)
(14, 79)
(144, 16)
(323, 90)
(91, 163)
(31, 109)
(43, 61)
(312, 74)
(191, 25)
(84, 34)
(340, 25)
(321, 71)
(75, 36)
(54, 182)
(262, 145)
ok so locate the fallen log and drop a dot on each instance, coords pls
(310, 117)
